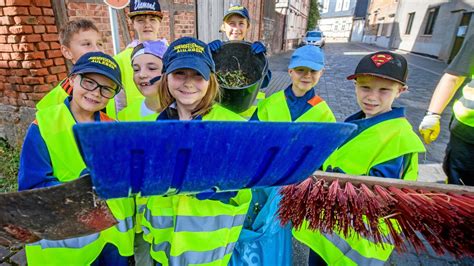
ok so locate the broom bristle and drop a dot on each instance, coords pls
(444, 220)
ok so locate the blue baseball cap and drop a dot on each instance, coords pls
(309, 56)
(237, 10)
(156, 48)
(191, 53)
(99, 63)
(145, 7)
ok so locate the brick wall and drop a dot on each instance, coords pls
(31, 63)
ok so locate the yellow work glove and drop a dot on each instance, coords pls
(429, 127)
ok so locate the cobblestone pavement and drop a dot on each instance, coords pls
(424, 73)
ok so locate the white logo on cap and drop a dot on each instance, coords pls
(144, 5)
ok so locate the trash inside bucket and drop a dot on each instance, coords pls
(167, 157)
(237, 55)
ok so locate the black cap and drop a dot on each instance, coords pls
(383, 64)
(145, 7)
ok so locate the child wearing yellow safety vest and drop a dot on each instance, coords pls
(384, 145)
(236, 24)
(187, 229)
(50, 156)
(297, 103)
(146, 18)
(76, 38)
(147, 65)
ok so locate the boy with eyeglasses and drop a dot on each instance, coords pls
(50, 156)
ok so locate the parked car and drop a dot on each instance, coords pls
(314, 38)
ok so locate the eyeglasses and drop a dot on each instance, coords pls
(92, 85)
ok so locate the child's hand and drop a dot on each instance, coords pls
(429, 127)
(215, 45)
(258, 47)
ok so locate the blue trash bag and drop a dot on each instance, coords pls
(263, 241)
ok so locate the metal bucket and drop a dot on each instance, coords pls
(237, 55)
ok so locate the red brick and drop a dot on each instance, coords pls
(15, 10)
(13, 39)
(35, 96)
(14, 80)
(18, 2)
(43, 3)
(42, 46)
(51, 29)
(55, 45)
(59, 61)
(51, 78)
(50, 37)
(42, 88)
(6, 20)
(4, 30)
(24, 47)
(33, 80)
(14, 64)
(19, 72)
(54, 53)
(5, 56)
(25, 88)
(36, 11)
(35, 55)
(25, 29)
(3, 39)
(46, 20)
(4, 64)
(47, 62)
(62, 76)
(39, 29)
(31, 38)
(39, 72)
(31, 64)
(25, 20)
(17, 56)
(6, 48)
(57, 69)
(48, 12)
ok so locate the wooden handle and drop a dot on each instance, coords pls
(393, 182)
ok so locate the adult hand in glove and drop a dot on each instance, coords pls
(429, 127)
(258, 47)
(215, 45)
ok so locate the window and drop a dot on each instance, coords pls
(432, 14)
(338, 5)
(345, 6)
(411, 17)
(326, 6)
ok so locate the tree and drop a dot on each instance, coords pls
(313, 16)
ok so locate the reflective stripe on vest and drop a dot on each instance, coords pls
(185, 229)
(194, 223)
(194, 257)
(347, 250)
(77, 242)
(464, 107)
(275, 108)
